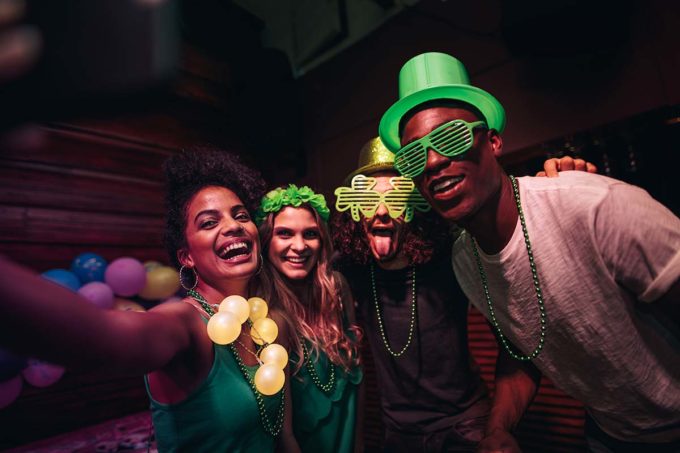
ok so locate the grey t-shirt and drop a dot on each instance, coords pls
(602, 248)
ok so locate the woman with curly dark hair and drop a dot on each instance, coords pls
(319, 307)
(205, 390)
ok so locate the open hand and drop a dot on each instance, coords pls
(498, 441)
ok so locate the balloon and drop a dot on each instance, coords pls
(161, 282)
(126, 276)
(10, 364)
(264, 330)
(149, 265)
(42, 374)
(223, 327)
(275, 354)
(126, 305)
(236, 305)
(89, 267)
(258, 308)
(269, 379)
(10, 390)
(65, 278)
(100, 294)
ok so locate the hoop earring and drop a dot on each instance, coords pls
(182, 279)
(260, 264)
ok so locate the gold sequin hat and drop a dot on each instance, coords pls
(373, 157)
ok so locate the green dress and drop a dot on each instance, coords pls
(324, 421)
(220, 415)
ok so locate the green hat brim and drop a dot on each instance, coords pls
(493, 111)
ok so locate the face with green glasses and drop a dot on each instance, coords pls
(455, 179)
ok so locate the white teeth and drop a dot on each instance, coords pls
(296, 260)
(447, 183)
(233, 246)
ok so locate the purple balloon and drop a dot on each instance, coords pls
(10, 390)
(42, 374)
(126, 276)
(100, 294)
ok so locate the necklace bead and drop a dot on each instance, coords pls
(537, 287)
(379, 315)
(274, 428)
(328, 386)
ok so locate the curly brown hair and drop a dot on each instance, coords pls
(425, 237)
(193, 169)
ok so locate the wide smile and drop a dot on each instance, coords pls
(235, 251)
(445, 186)
(296, 261)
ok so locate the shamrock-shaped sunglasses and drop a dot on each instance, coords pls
(403, 198)
(449, 139)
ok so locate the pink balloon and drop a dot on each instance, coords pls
(42, 374)
(10, 390)
(126, 276)
(100, 294)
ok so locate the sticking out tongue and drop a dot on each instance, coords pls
(382, 245)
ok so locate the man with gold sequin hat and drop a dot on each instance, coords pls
(413, 311)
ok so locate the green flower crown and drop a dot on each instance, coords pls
(275, 200)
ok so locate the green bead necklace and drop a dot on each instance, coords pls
(328, 386)
(270, 428)
(537, 287)
(379, 316)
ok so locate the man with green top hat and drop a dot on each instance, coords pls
(578, 275)
(396, 255)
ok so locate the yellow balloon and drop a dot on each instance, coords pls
(148, 265)
(264, 330)
(236, 305)
(223, 328)
(258, 308)
(275, 354)
(269, 379)
(161, 282)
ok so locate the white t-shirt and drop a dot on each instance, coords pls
(600, 246)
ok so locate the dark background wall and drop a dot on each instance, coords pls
(574, 77)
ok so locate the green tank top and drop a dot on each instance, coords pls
(220, 415)
(324, 422)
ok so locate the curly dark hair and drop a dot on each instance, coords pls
(193, 169)
(426, 236)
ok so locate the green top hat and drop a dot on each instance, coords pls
(373, 157)
(431, 76)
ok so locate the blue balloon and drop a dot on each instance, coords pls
(64, 278)
(10, 365)
(89, 267)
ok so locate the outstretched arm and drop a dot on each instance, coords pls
(516, 385)
(43, 319)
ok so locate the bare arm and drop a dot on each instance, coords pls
(516, 385)
(40, 318)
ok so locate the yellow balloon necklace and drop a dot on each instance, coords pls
(224, 327)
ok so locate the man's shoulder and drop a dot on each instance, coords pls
(575, 191)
